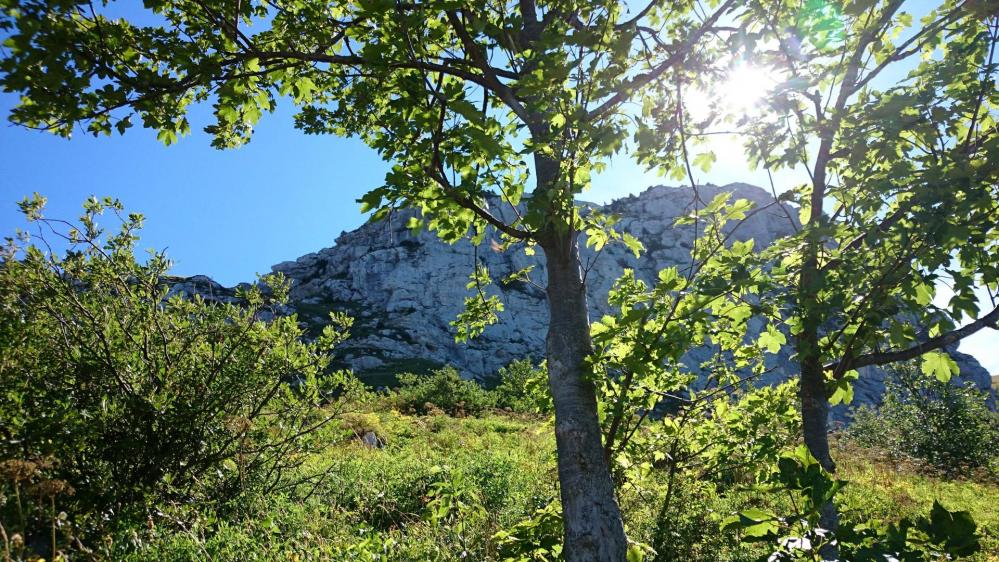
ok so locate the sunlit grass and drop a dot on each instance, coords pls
(887, 488)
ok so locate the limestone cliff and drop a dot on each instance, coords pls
(404, 289)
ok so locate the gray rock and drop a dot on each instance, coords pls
(371, 440)
(404, 289)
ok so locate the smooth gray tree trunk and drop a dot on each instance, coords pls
(594, 530)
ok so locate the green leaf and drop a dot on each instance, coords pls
(632, 244)
(167, 137)
(370, 200)
(924, 294)
(754, 523)
(705, 160)
(954, 530)
(771, 340)
(939, 365)
(843, 389)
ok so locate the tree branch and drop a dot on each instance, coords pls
(630, 86)
(644, 12)
(990, 320)
(491, 81)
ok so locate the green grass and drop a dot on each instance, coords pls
(378, 500)
(382, 492)
(888, 488)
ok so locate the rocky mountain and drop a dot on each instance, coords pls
(405, 288)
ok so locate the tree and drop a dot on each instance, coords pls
(130, 395)
(455, 94)
(895, 125)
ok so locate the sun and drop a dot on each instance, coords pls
(741, 91)
(722, 105)
(745, 88)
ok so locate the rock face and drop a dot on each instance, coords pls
(404, 289)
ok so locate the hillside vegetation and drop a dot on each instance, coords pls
(477, 488)
(141, 425)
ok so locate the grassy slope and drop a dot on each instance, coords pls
(884, 488)
(378, 497)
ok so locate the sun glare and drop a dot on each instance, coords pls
(745, 87)
(740, 92)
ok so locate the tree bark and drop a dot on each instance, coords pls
(815, 431)
(812, 390)
(593, 527)
(815, 412)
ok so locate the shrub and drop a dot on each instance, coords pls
(949, 427)
(524, 388)
(679, 532)
(794, 533)
(128, 395)
(443, 390)
(537, 538)
(359, 423)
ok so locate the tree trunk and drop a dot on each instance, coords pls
(593, 527)
(815, 418)
(814, 426)
(815, 412)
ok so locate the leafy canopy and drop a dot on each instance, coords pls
(454, 94)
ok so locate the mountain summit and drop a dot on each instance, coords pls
(404, 288)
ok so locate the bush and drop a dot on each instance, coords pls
(357, 424)
(442, 390)
(524, 388)
(680, 525)
(947, 426)
(537, 538)
(126, 396)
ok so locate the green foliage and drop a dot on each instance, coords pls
(885, 487)
(455, 505)
(457, 98)
(125, 394)
(900, 188)
(680, 524)
(537, 538)
(360, 423)
(480, 310)
(875, 118)
(698, 463)
(640, 357)
(949, 427)
(798, 535)
(939, 365)
(375, 504)
(440, 489)
(524, 388)
(893, 149)
(442, 390)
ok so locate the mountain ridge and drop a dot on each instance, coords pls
(404, 288)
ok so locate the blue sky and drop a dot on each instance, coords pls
(229, 214)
